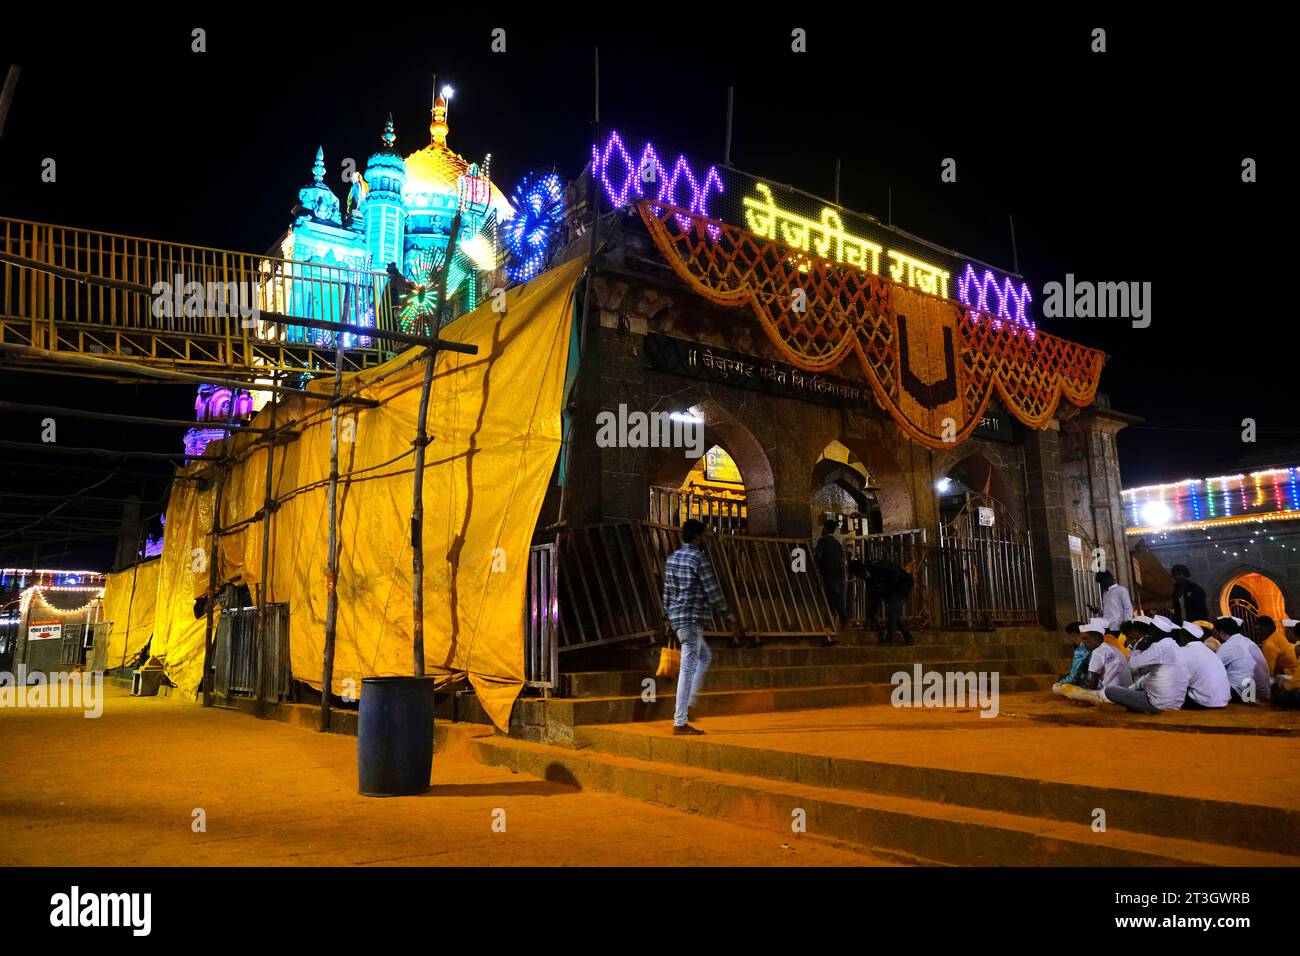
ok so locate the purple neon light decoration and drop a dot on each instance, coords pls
(976, 291)
(632, 179)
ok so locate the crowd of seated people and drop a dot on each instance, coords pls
(1167, 662)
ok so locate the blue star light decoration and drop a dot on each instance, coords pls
(529, 234)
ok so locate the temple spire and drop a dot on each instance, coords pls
(389, 137)
(318, 167)
(438, 128)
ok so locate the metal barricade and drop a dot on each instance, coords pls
(773, 589)
(542, 620)
(604, 586)
(608, 580)
(909, 549)
(236, 653)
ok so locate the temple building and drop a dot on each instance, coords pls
(838, 369)
(399, 214)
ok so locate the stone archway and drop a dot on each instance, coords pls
(670, 467)
(1264, 593)
(887, 482)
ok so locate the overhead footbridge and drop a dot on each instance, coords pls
(72, 291)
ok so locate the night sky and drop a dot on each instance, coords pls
(1124, 166)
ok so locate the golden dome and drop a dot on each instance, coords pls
(436, 169)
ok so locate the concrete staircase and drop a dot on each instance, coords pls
(923, 814)
(610, 685)
(917, 814)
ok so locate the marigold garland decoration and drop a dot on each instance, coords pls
(932, 363)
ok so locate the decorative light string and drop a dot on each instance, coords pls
(1178, 503)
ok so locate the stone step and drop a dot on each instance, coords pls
(554, 720)
(722, 677)
(1225, 822)
(940, 832)
(629, 658)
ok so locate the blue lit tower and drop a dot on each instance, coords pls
(398, 211)
(383, 210)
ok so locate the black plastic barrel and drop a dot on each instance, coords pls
(395, 736)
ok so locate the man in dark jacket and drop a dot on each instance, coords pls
(889, 584)
(1189, 597)
(829, 556)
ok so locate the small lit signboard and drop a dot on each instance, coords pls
(45, 631)
(719, 466)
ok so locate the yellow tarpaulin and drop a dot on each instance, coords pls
(129, 599)
(494, 421)
(178, 636)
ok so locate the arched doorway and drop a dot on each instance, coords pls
(858, 479)
(712, 491)
(842, 489)
(728, 486)
(1249, 595)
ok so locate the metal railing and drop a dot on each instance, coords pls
(1087, 593)
(542, 620)
(236, 666)
(672, 506)
(1248, 611)
(68, 289)
(909, 549)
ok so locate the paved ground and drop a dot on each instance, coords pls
(1045, 737)
(121, 790)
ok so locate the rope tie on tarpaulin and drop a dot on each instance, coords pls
(932, 363)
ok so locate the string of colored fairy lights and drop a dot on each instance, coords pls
(1226, 498)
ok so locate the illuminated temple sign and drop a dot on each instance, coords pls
(830, 241)
(629, 170)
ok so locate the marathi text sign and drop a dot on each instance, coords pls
(45, 631)
(713, 364)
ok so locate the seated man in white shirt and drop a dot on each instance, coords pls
(1244, 662)
(1207, 679)
(1107, 667)
(1160, 677)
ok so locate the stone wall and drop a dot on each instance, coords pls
(1216, 557)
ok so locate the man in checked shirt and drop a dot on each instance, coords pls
(690, 590)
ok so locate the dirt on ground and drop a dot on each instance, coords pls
(127, 789)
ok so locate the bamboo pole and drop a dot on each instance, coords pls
(332, 564)
(267, 508)
(7, 94)
(421, 442)
(212, 589)
(104, 452)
